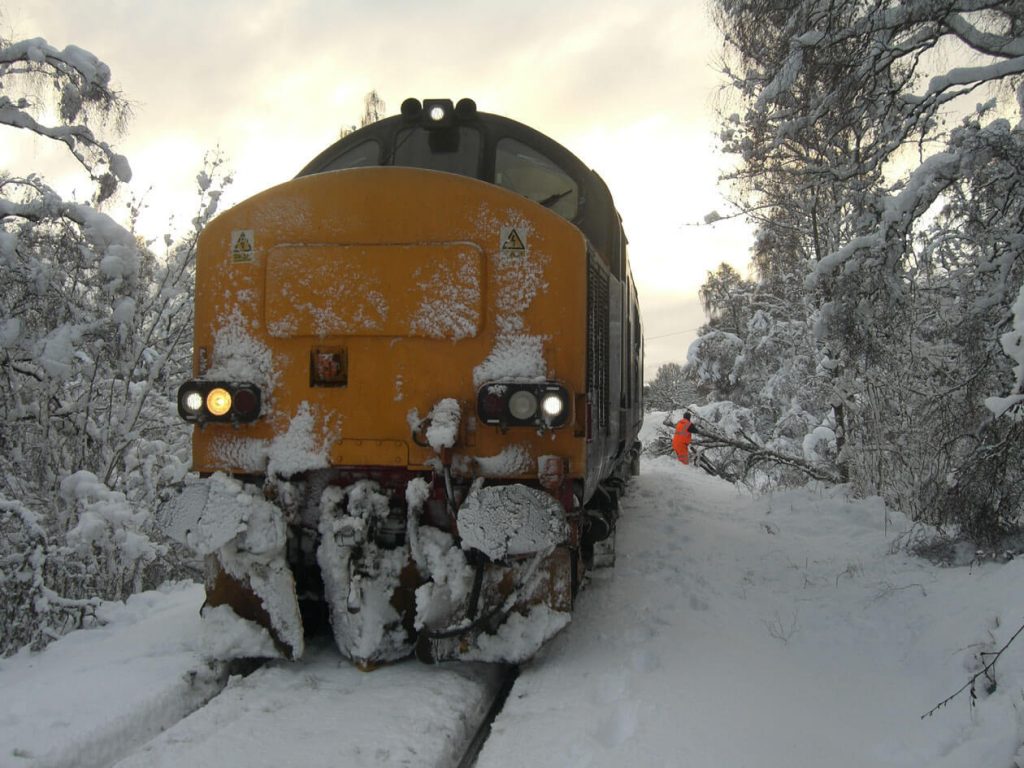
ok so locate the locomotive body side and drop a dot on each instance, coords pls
(416, 400)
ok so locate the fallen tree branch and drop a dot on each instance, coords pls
(708, 437)
(974, 679)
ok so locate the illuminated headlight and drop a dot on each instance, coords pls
(192, 401)
(203, 401)
(437, 113)
(514, 404)
(552, 405)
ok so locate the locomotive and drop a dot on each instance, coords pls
(416, 391)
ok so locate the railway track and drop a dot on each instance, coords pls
(322, 711)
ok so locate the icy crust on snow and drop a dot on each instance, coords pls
(520, 637)
(211, 512)
(446, 594)
(221, 516)
(270, 579)
(514, 357)
(360, 576)
(510, 520)
(299, 448)
(443, 428)
(439, 560)
(190, 519)
(510, 461)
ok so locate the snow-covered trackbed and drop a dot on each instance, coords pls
(139, 692)
(322, 711)
(781, 631)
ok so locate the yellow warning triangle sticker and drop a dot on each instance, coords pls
(513, 242)
(241, 245)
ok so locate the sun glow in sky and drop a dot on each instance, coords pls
(628, 88)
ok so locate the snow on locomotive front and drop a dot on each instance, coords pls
(392, 409)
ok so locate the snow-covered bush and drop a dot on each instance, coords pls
(33, 575)
(95, 335)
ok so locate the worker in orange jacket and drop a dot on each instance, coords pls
(682, 437)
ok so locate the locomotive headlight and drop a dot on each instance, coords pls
(552, 405)
(238, 402)
(192, 402)
(522, 405)
(543, 405)
(437, 113)
(218, 401)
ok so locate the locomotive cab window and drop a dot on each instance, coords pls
(525, 170)
(455, 150)
(365, 154)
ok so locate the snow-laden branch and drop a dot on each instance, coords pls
(707, 435)
(971, 76)
(925, 184)
(79, 139)
(984, 42)
(83, 81)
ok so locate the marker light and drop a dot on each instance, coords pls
(218, 401)
(522, 405)
(246, 402)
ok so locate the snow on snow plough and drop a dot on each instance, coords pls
(416, 391)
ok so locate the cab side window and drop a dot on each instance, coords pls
(524, 170)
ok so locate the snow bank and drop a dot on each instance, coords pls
(96, 694)
(776, 631)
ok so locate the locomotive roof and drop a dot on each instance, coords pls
(457, 138)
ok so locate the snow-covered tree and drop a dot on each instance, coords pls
(670, 388)
(95, 333)
(880, 147)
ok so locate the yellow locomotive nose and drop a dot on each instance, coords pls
(417, 366)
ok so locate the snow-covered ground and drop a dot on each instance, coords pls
(734, 631)
(776, 631)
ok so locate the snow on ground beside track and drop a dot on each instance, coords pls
(96, 694)
(776, 631)
(733, 631)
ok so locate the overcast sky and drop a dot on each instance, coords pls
(628, 88)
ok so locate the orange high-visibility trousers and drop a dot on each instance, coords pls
(681, 441)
